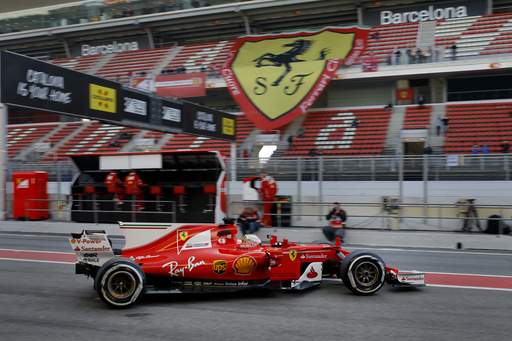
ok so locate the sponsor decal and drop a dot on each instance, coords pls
(313, 256)
(219, 266)
(176, 270)
(102, 98)
(22, 183)
(200, 240)
(135, 106)
(43, 86)
(293, 255)
(228, 126)
(183, 235)
(312, 273)
(275, 78)
(146, 257)
(171, 114)
(244, 265)
(92, 249)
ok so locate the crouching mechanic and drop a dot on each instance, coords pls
(336, 218)
(249, 221)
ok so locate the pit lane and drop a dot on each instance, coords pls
(46, 301)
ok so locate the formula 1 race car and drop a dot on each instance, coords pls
(181, 258)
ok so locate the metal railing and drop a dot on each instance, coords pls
(62, 210)
(481, 167)
(445, 216)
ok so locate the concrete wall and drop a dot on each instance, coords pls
(355, 93)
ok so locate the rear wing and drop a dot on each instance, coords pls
(92, 247)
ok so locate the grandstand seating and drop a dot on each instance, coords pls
(128, 62)
(200, 57)
(181, 142)
(417, 117)
(473, 35)
(485, 123)
(322, 132)
(95, 138)
(385, 38)
(20, 136)
(82, 64)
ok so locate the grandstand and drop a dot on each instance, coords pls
(203, 44)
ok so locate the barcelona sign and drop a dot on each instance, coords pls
(275, 78)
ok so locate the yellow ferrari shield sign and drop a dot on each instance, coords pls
(275, 78)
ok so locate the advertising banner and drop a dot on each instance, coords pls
(204, 121)
(179, 86)
(171, 114)
(277, 77)
(134, 105)
(103, 47)
(31, 83)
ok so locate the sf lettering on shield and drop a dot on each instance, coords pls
(290, 89)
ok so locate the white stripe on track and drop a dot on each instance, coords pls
(38, 251)
(37, 261)
(432, 251)
(467, 287)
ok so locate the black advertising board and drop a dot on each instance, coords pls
(134, 105)
(171, 114)
(31, 83)
(208, 122)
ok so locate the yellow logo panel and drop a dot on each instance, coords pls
(102, 98)
(228, 126)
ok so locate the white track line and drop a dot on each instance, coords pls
(465, 274)
(432, 251)
(38, 251)
(467, 287)
(37, 261)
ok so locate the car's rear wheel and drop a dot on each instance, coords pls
(363, 273)
(120, 283)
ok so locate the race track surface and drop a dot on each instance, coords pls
(41, 299)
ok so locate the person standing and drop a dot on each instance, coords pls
(475, 150)
(439, 125)
(454, 51)
(268, 191)
(505, 147)
(485, 149)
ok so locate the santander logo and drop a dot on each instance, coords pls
(312, 273)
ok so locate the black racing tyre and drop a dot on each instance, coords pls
(363, 272)
(120, 283)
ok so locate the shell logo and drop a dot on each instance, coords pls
(244, 265)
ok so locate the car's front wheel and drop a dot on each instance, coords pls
(363, 273)
(120, 283)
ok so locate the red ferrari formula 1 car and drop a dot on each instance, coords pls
(180, 258)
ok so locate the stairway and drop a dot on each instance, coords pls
(426, 36)
(65, 140)
(436, 142)
(27, 153)
(170, 55)
(101, 62)
(392, 144)
(290, 130)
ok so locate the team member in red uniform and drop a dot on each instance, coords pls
(114, 186)
(268, 191)
(133, 186)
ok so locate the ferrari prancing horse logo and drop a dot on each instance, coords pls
(293, 255)
(183, 235)
(275, 78)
